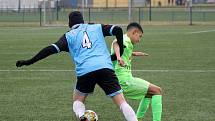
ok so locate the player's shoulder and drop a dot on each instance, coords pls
(94, 27)
(94, 24)
(126, 38)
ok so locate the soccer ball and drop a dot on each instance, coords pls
(90, 115)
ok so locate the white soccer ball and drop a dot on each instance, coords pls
(91, 115)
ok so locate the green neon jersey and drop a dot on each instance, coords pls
(124, 73)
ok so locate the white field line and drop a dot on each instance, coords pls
(196, 32)
(44, 70)
(195, 71)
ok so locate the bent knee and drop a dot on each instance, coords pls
(159, 91)
(155, 90)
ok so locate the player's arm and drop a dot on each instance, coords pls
(139, 54)
(117, 53)
(60, 45)
(111, 30)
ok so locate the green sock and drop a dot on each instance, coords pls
(157, 107)
(143, 106)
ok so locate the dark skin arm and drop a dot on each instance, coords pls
(45, 52)
(114, 31)
(62, 45)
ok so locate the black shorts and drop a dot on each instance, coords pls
(105, 78)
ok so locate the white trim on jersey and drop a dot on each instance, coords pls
(56, 47)
(111, 29)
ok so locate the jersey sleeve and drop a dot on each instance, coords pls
(111, 30)
(61, 44)
(107, 30)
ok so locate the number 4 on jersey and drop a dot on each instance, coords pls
(86, 41)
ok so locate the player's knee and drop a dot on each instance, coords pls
(158, 91)
(119, 99)
(155, 90)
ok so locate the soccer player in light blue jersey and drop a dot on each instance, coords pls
(86, 45)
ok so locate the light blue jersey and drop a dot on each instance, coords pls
(88, 48)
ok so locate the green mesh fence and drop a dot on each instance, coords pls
(200, 14)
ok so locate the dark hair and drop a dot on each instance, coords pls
(134, 25)
(75, 17)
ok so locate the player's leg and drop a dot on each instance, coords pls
(109, 83)
(136, 88)
(78, 104)
(85, 85)
(126, 109)
(156, 94)
(143, 107)
(154, 90)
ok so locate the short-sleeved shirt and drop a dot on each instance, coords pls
(133, 88)
(88, 48)
(124, 73)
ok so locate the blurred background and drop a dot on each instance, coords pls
(55, 12)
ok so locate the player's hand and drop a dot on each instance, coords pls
(139, 54)
(145, 54)
(21, 63)
(121, 62)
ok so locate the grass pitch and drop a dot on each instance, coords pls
(181, 61)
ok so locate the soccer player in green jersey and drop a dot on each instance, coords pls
(135, 88)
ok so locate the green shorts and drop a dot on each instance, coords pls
(134, 88)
